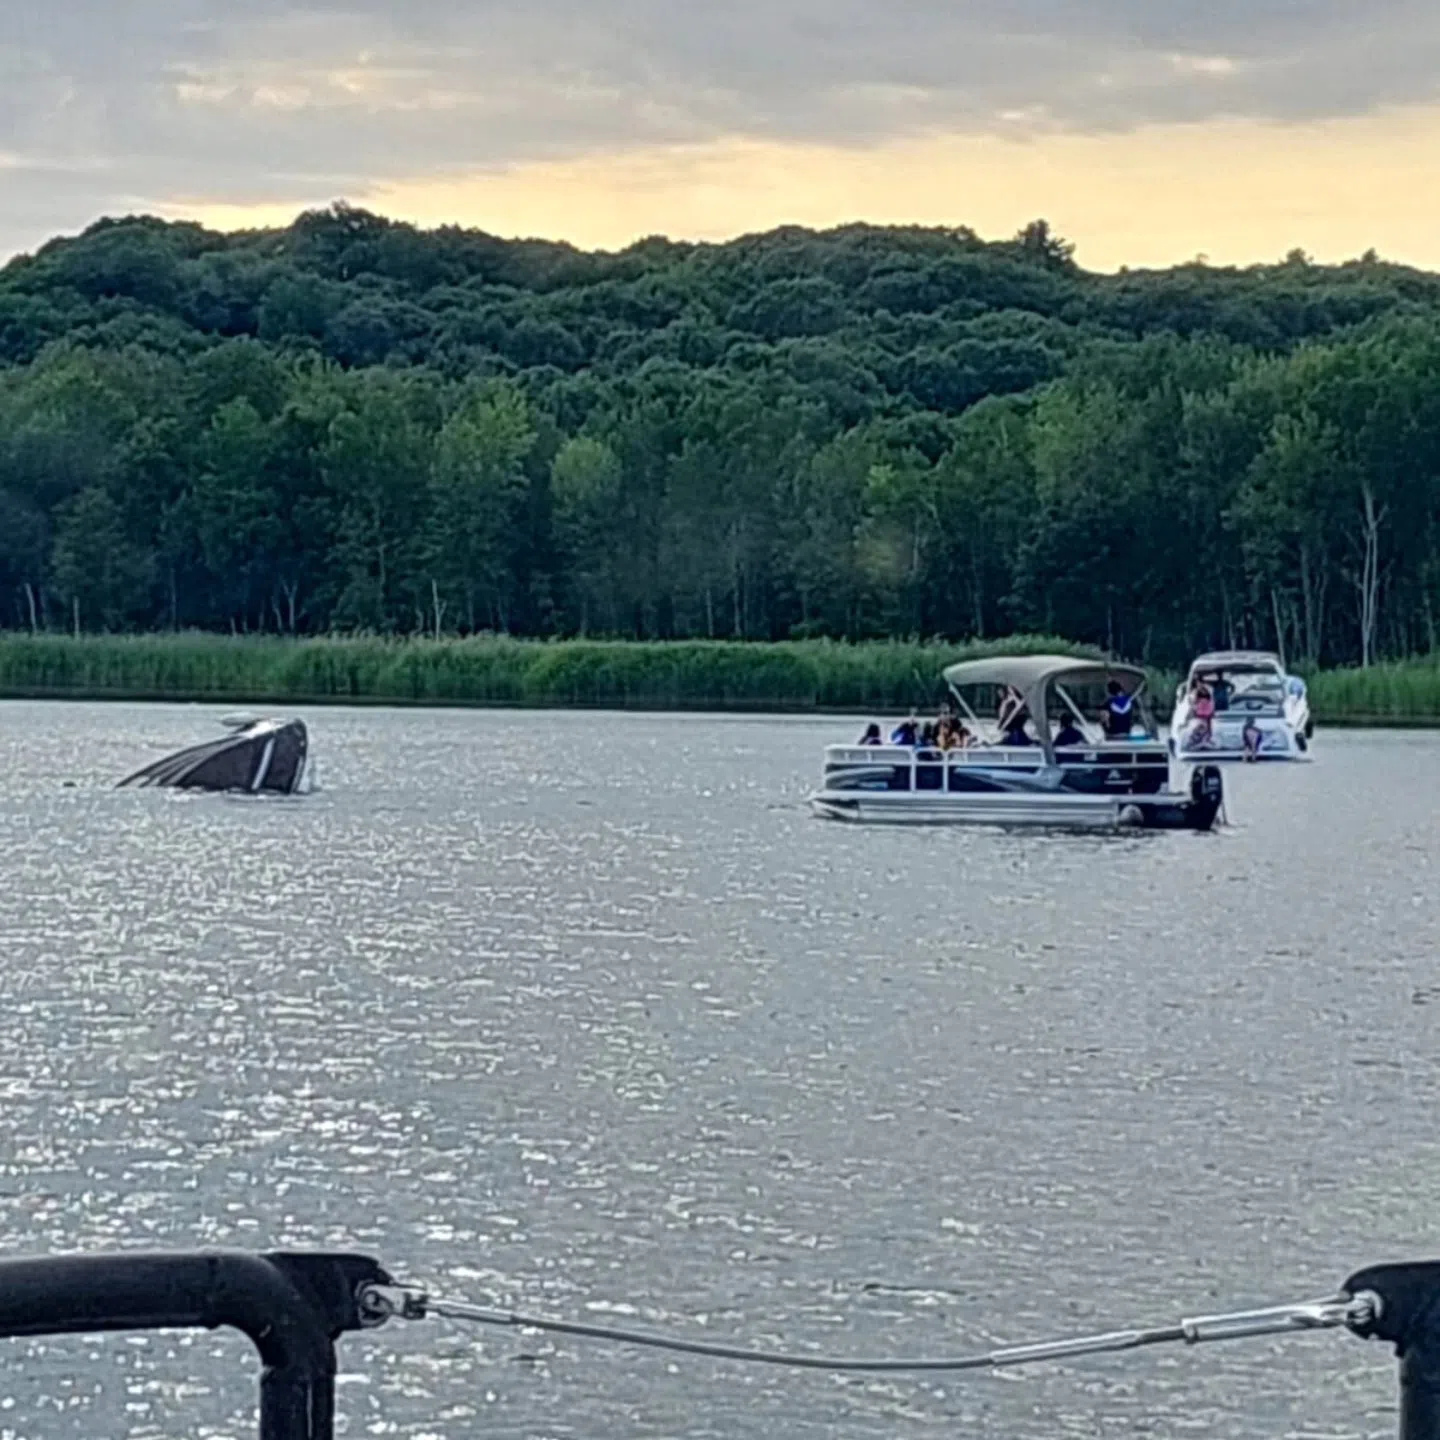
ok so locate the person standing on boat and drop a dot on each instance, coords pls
(1119, 711)
(1202, 707)
(1014, 732)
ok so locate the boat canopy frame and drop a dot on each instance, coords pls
(1037, 677)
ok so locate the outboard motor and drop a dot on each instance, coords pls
(1207, 794)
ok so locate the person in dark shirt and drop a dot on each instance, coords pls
(1120, 711)
(1069, 734)
(1014, 732)
(871, 735)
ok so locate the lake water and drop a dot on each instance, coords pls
(585, 1013)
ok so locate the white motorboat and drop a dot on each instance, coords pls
(1241, 705)
(1108, 774)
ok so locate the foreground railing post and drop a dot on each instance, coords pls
(292, 1306)
(1409, 1318)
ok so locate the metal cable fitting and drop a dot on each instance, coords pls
(379, 1303)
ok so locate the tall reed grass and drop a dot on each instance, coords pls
(798, 675)
(879, 677)
(1405, 692)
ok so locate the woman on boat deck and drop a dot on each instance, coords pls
(871, 735)
(1202, 707)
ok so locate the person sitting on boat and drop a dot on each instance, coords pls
(871, 735)
(1119, 711)
(1250, 738)
(930, 736)
(905, 733)
(1069, 734)
(1220, 691)
(953, 735)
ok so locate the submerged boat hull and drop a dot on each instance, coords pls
(263, 757)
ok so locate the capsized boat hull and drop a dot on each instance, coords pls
(263, 757)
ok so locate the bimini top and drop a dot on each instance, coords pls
(1029, 673)
(1239, 662)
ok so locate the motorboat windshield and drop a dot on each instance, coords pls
(1247, 667)
(1243, 682)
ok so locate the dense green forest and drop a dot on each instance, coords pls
(355, 425)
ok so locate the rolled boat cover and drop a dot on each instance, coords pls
(266, 755)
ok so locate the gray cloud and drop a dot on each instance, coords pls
(113, 104)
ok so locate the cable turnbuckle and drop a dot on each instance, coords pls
(379, 1303)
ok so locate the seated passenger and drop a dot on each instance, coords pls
(1221, 691)
(871, 735)
(953, 735)
(1069, 734)
(1250, 738)
(1120, 712)
(905, 733)
(930, 736)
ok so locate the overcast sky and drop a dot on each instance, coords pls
(117, 105)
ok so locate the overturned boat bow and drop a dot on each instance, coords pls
(270, 756)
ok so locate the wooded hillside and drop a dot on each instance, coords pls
(352, 424)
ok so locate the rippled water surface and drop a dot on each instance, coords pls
(584, 1013)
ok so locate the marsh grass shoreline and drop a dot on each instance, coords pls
(790, 677)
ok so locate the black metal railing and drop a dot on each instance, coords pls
(294, 1306)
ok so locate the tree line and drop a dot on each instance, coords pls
(355, 425)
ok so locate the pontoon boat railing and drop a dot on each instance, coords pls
(295, 1306)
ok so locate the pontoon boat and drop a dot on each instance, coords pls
(1259, 712)
(1011, 772)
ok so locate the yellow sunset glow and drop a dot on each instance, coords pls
(1235, 191)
